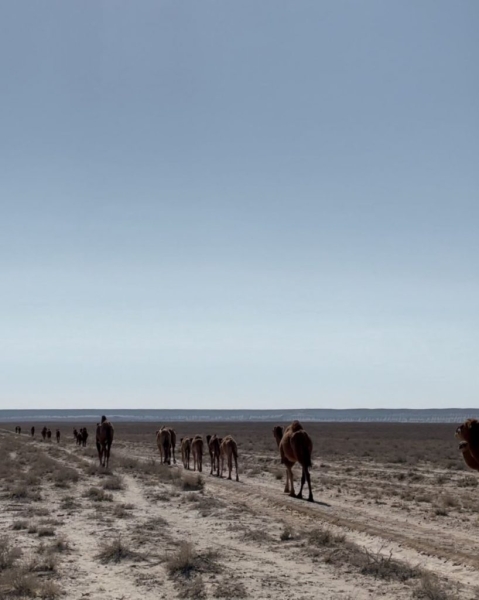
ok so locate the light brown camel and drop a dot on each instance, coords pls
(186, 451)
(104, 440)
(214, 450)
(229, 449)
(163, 441)
(197, 450)
(468, 433)
(295, 445)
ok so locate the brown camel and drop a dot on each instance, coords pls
(104, 440)
(44, 433)
(468, 433)
(32, 431)
(186, 451)
(229, 449)
(295, 445)
(57, 433)
(49, 434)
(163, 441)
(197, 450)
(172, 443)
(214, 449)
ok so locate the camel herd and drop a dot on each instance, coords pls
(294, 444)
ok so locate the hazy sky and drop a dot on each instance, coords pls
(239, 204)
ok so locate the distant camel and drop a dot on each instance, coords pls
(295, 445)
(214, 450)
(44, 433)
(104, 440)
(163, 441)
(229, 449)
(49, 434)
(18, 430)
(468, 433)
(197, 450)
(75, 435)
(83, 436)
(32, 431)
(57, 433)
(186, 451)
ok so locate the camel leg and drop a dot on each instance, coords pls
(230, 465)
(291, 491)
(303, 479)
(174, 457)
(286, 487)
(222, 465)
(200, 463)
(217, 465)
(98, 447)
(308, 479)
(236, 467)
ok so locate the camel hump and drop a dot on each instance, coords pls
(302, 447)
(296, 426)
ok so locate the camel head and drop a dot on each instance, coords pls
(103, 418)
(468, 431)
(278, 433)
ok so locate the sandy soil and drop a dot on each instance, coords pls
(378, 528)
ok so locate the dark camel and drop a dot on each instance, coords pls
(104, 440)
(32, 431)
(197, 450)
(57, 434)
(229, 449)
(163, 441)
(468, 433)
(295, 445)
(214, 450)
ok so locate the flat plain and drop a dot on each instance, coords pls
(396, 515)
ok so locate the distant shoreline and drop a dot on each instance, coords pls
(365, 415)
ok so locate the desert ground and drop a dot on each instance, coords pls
(396, 515)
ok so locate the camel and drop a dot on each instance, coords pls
(44, 433)
(32, 431)
(214, 450)
(468, 433)
(163, 441)
(197, 450)
(104, 440)
(75, 435)
(295, 445)
(173, 443)
(49, 434)
(186, 451)
(83, 436)
(57, 434)
(229, 449)
(18, 430)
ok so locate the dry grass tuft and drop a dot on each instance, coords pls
(431, 588)
(98, 495)
(116, 551)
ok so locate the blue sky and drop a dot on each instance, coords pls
(239, 205)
